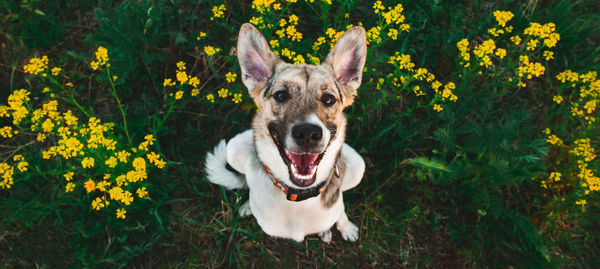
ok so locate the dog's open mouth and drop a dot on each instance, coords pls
(301, 166)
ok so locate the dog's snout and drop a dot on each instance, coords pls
(307, 135)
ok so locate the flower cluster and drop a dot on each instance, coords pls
(218, 12)
(88, 149)
(502, 17)
(584, 89)
(101, 58)
(528, 66)
(393, 22)
(184, 79)
(36, 66)
(588, 97)
(404, 64)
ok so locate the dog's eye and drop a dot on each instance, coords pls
(281, 96)
(328, 99)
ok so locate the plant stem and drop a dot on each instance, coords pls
(160, 123)
(114, 93)
(73, 101)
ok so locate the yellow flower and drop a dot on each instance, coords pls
(210, 97)
(99, 203)
(139, 164)
(181, 76)
(373, 35)
(403, 61)
(230, 77)
(194, 81)
(223, 93)
(378, 7)
(532, 44)
(516, 39)
(195, 91)
(101, 58)
(210, 50)
(69, 176)
(299, 59)
(568, 75)
(237, 98)
(89, 185)
(121, 213)
(201, 35)
(168, 82)
(581, 202)
(258, 21)
(549, 55)
(500, 52)
(178, 95)
(127, 198)
(393, 33)
(55, 71)
(41, 137)
(142, 192)
(293, 19)
(47, 126)
(22, 166)
(502, 17)
(123, 155)
(438, 107)
(218, 12)
(555, 176)
(69, 187)
(6, 132)
(557, 98)
(87, 162)
(181, 66)
(102, 185)
(293, 34)
(554, 140)
(395, 16)
(36, 65)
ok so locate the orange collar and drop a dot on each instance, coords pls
(297, 195)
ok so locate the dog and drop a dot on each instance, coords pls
(294, 160)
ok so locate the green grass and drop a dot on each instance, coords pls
(442, 189)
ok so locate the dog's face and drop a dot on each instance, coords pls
(300, 106)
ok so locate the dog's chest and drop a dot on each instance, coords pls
(282, 218)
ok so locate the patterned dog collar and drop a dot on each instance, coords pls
(297, 195)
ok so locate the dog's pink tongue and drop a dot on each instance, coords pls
(303, 161)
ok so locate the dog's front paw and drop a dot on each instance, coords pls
(325, 236)
(245, 209)
(349, 231)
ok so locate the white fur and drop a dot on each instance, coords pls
(288, 219)
(217, 173)
(355, 167)
(239, 149)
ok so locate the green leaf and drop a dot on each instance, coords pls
(428, 163)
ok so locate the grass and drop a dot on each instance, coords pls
(442, 189)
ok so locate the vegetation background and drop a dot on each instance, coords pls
(468, 186)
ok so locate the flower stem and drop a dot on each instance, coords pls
(114, 93)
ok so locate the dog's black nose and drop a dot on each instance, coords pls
(307, 135)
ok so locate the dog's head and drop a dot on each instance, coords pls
(300, 123)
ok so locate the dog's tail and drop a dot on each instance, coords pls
(217, 169)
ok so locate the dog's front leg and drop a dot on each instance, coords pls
(348, 230)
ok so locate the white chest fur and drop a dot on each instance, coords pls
(288, 219)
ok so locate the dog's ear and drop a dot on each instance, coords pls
(257, 61)
(347, 59)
